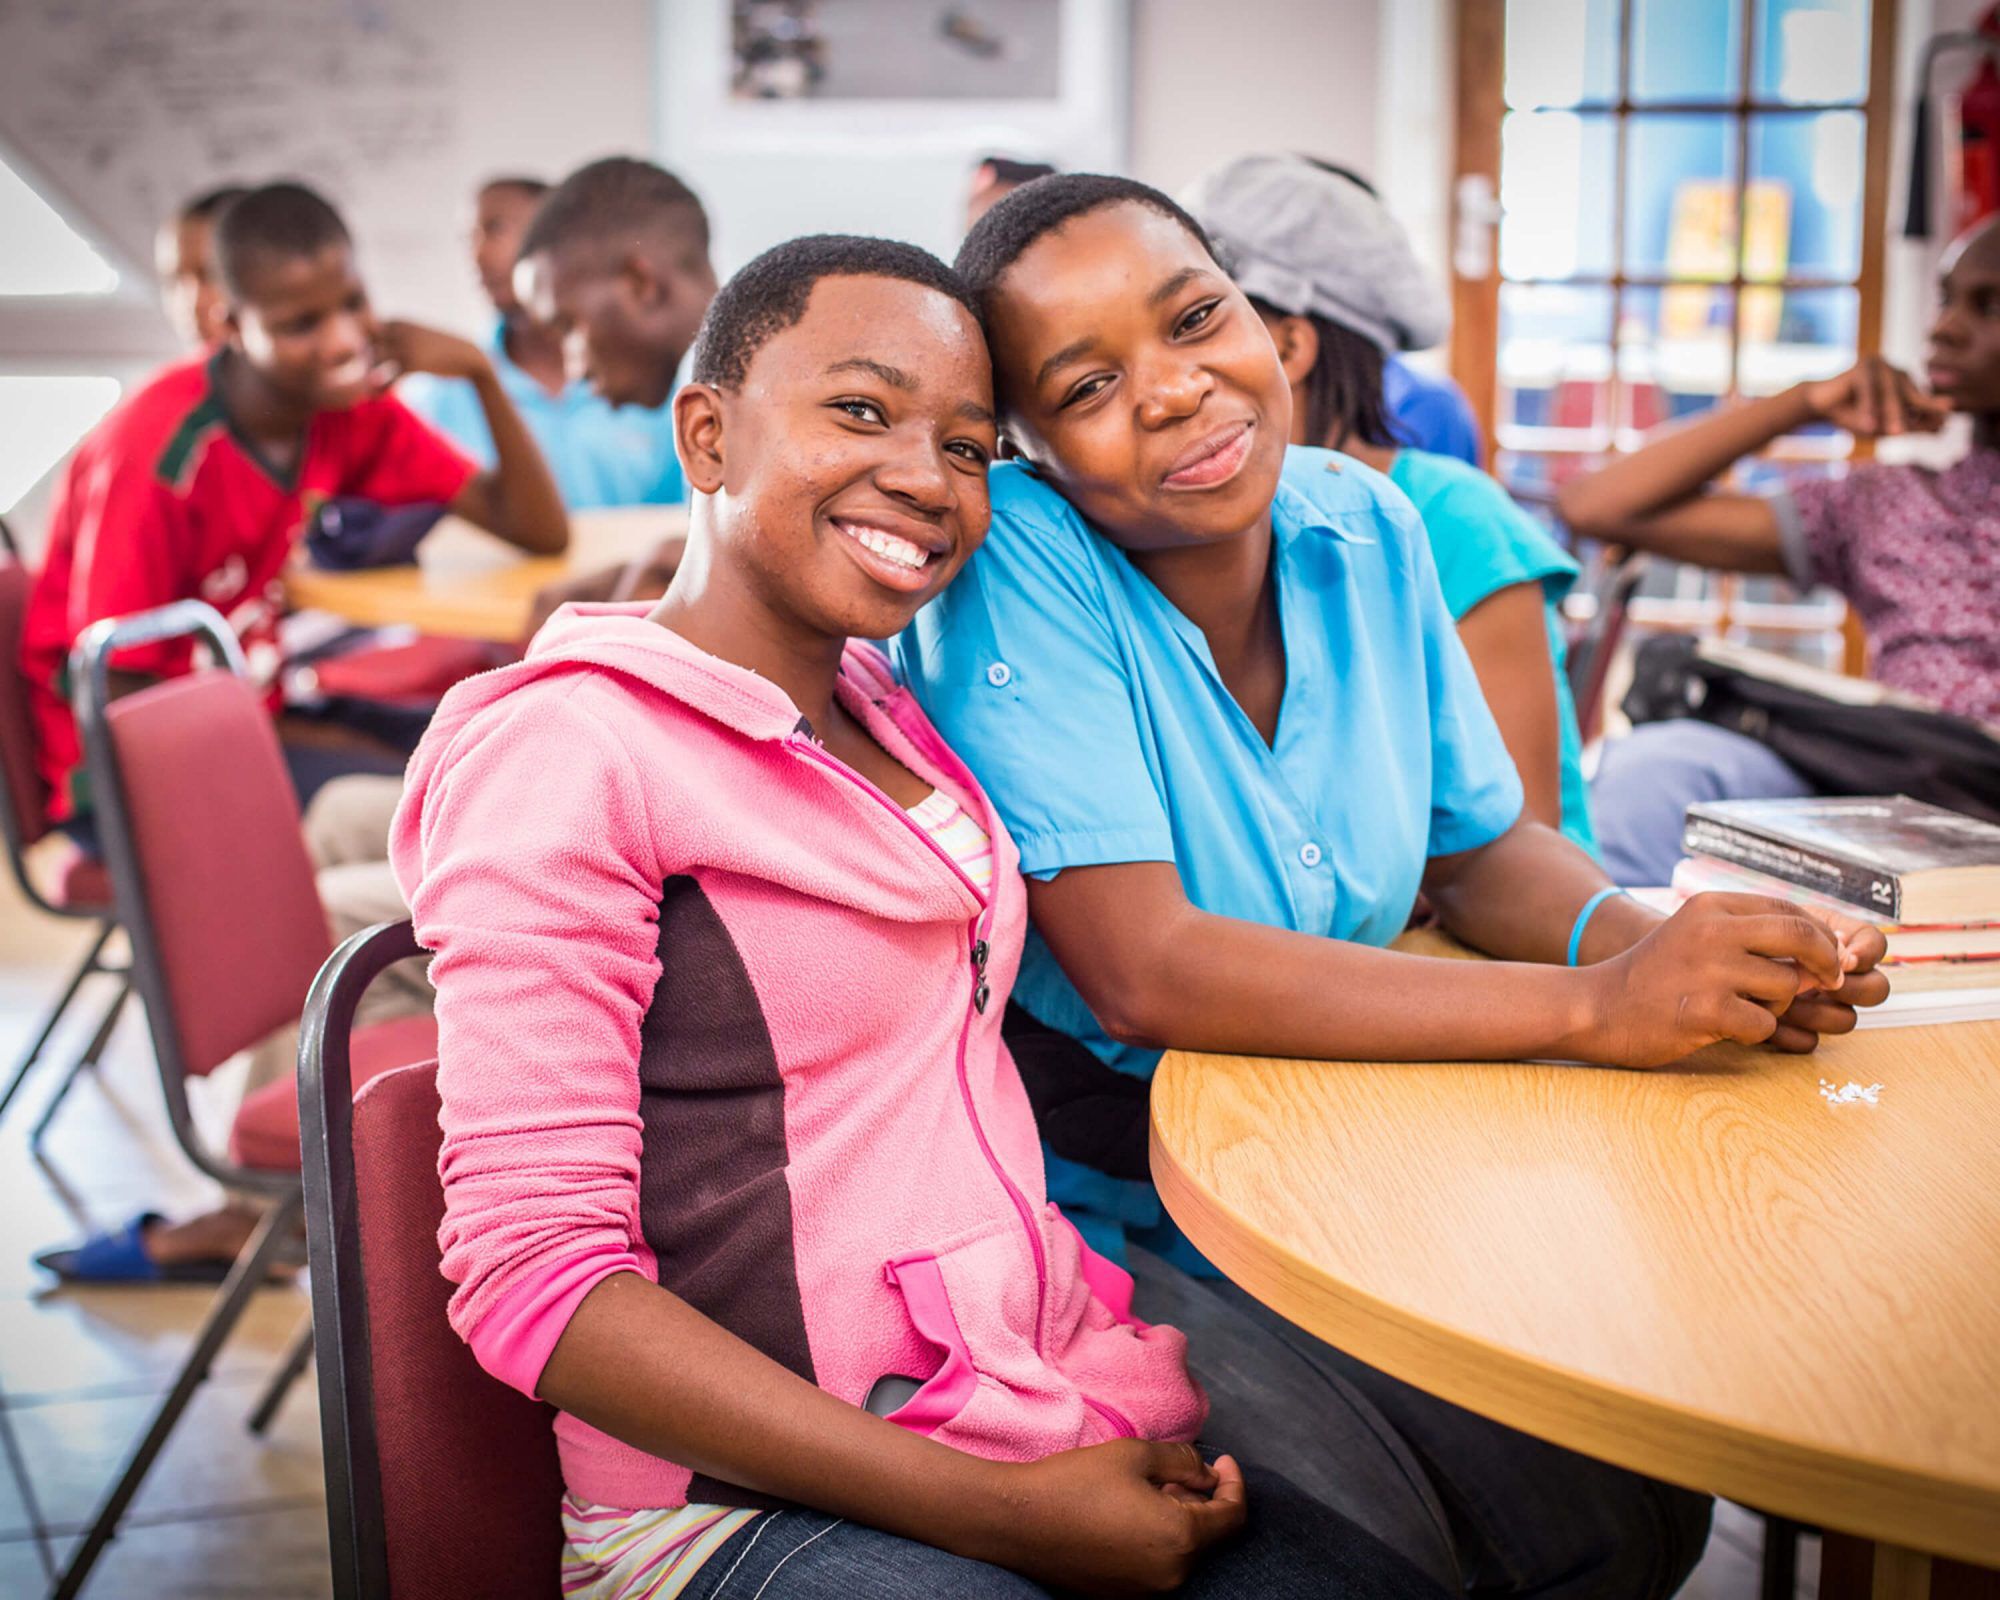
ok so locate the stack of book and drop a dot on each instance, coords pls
(1927, 877)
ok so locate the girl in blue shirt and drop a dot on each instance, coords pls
(1213, 688)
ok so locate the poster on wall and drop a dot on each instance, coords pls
(871, 115)
(835, 50)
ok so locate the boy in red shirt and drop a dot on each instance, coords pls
(200, 484)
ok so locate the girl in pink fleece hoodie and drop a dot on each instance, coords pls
(734, 1155)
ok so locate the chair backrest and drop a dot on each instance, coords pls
(200, 831)
(23, 804)
(1595, 649)
(441, 1481)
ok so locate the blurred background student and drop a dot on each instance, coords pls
(601, 455)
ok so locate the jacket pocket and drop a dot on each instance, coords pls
(1134, 1374)
(976, 1301)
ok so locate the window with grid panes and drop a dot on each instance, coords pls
(1682, 199)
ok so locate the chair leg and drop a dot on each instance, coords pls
(88, 1059)
(1780, 1569)
(245, 1277)
(296, 1360)
(85, 969)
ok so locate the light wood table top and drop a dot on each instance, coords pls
(470, 585)
(1711, 1274)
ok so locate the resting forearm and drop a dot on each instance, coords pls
(1616, 501)
(1518, 898)
(645, 1367)
(528, 508)
(1243, 988)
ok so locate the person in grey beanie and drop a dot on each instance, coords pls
(1333, 276)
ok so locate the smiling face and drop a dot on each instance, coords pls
(305, 325)
(848, 471)
(626, 318)
(1965, 338)
(1140, 382)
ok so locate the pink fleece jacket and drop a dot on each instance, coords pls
(713, 1009)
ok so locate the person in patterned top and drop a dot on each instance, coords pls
(1914, 550)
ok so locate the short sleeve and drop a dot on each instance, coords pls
(1019, 664)
(1815, 530)
(451, 407)
(1484, 543)
(403, 460)
(1476, 793)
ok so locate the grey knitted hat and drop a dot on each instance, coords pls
(1307, 240)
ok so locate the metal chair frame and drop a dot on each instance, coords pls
(15, 830)
(90, 673)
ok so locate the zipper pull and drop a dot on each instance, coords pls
(980, 993)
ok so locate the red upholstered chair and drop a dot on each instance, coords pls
(215, 890)
(441, 1481)
(78, 885)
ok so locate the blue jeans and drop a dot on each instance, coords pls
(1646, 781)
(1358, 1485)
(1480, 1508)
(1293, 1549)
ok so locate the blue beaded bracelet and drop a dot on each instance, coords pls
(1583, 919)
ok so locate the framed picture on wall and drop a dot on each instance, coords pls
(841, 50)
(869, 115)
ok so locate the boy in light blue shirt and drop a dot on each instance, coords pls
(601, 455)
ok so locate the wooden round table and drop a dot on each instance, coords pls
(468, 584)
(1714, 1274)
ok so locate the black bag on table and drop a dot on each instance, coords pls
(1839, 748)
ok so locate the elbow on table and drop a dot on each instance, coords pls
(547, 539)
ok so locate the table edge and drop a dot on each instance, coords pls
(1872, 1498)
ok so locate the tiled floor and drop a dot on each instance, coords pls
(223, 1513)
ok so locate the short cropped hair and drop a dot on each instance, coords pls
(608, 200)
(1006, 169)
(210, 203)
(278, 222)
(770, 294)
(1018, 220)
(520, 183)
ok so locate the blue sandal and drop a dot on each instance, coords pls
(120, 1257)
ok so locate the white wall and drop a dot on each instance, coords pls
(770, 171)
(537, 90)
(1210, 82)
(527, 95)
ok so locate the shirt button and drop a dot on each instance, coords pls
(999, 674)
(1309, 853)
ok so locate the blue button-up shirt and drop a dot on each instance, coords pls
(1092, 711)
(600, 455)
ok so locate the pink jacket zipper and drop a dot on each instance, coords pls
(976, 932)
(1115, 1419)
